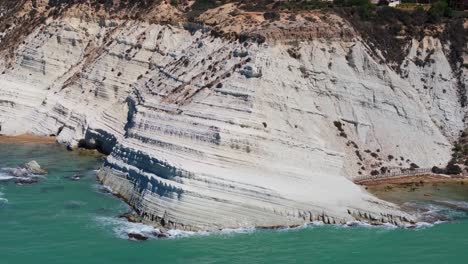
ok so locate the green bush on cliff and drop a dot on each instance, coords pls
(453, 169)
(439, 10)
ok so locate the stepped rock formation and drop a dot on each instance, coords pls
(205, 132)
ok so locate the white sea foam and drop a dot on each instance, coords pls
(439, 211)
(16, 173)
(122, 227)
(356, 223)
(423, 225)
(4, 177)
(418, 225)
(102, 188)
(3, 200)
(304, 226)
(176, 233)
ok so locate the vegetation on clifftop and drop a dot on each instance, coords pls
(387, 29)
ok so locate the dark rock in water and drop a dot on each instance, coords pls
(25, 173)
(22, 181)
(34, 168)
(432, 216)
(137, 236)
(354, 224)
(73, 205)
(161, 235)
(131, 217)
(455, 205)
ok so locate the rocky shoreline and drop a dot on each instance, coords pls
(163, 226)
(124, 189)
(422, 198)
(429, 191)
(27, 173)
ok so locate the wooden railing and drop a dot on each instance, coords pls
(395, 174)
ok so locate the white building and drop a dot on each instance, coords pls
(393, 3)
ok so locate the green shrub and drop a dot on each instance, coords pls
(437, 170)
(439, 10)
(452, 169)
(272, 16)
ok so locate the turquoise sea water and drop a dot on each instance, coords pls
(62, 221)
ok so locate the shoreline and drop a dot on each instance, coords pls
(373, 184)
(428, 198)
(28, 138)
(415, 179)
(49, 140)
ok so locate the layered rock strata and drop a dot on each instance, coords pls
(204, 132)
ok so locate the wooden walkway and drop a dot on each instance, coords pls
(396, 174)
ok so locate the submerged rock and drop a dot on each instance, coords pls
(23, 181)
(455, 205)
(73, 205)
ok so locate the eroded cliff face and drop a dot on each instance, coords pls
(205, 132)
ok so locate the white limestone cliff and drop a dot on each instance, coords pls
(204, 132)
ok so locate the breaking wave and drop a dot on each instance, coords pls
(3, 200)
(122, 228)
(439, 211)
(18, 174)
(4, 176)
(175, 233)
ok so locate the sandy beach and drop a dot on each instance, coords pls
(27, 138)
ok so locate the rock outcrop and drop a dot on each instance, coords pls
(34, 168)
(27, 173)
(204, 132)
